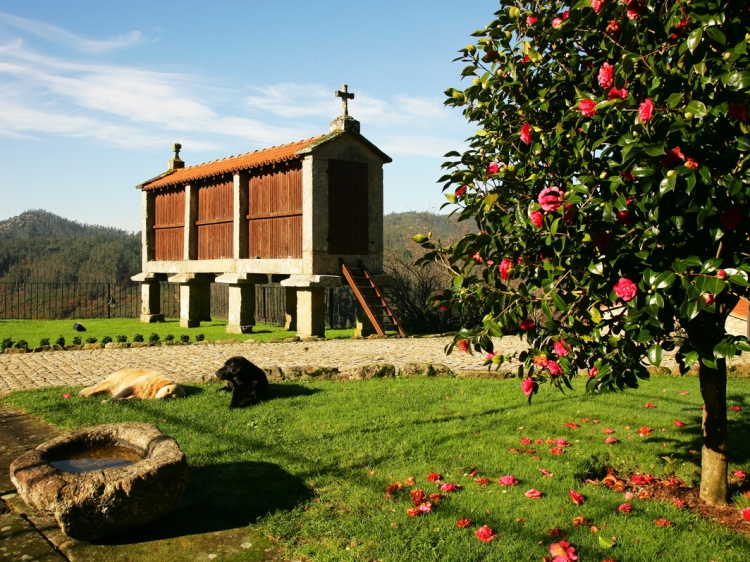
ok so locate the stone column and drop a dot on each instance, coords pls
(239, 233)
(150, 296)
(311, 301)
(195, 298)
(190, 246)
(147, 228)
(290, 325)
(363, 326)
(241, 313)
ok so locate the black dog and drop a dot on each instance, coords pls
(245, 381)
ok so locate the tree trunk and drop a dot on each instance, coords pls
(713, 384)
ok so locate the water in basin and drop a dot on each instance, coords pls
(98, 458)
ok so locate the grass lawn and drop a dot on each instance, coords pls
(34, 330)
(310, 465)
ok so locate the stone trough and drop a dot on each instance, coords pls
(103, 480)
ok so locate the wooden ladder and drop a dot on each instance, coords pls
(371, 298)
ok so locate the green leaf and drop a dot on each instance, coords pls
(654, 354)
(596, 316)
(450, 197)
(690, 358)
(642, 172)
(458, 281)
(694, 38)
(743, 143)
(605, 543)
(655, 149)
(673, 100)
(665, 280)
(596, 268)
(716, 34)
(558, 300)
(698, 108)
(419, 238)
(722, 349)
(739, 80)
(644, 336)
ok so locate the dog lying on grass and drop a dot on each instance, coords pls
(136, 384)
(245, 381)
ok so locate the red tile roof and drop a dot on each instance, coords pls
(231, 164)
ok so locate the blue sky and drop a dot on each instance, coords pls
(94, 93)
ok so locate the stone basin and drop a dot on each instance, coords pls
(100, 502)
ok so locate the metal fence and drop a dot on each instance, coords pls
(59, 301)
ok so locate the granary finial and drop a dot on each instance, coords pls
(345, 97)
(344, 122)
(175, 163)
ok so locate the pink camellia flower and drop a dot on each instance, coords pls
(546, 473)
(426, 507)
(562, 552)
(709, 298)
(625, 289)
(530, 20)
(608, 430)
(678, 423)
(463, 345)
(556, 451)
(721, 274)
(526, 133)
(537, 218)
(587, 107)
(505, 267)
(692, 163)
(463, 523)
(625, 508)
(490, 355)
(643, 431)
(734, 408)
(596, 5)
(562, 443)
(528, 386)
(485, 534)
(554, 368)
(623, 217)
(740, 474)
(533, 494)
(738, 112)
(614, 93)
(592, 372)
(550, 198)
(678, 503)
(508, 480)
(436, 497)
(646, 110)
(417, 496)
(413, 511)
(650, 405)
(527, 324)
(642, 479)
(576, 498)
(477, 257)
(539, 441)
(572, 425)
(461, 190)
(745, 514)
(628, 174)
(557, 22)
(433, 477)
(566, 13)
(610, 440)
(493, 168)
(525, 441)
(606, 75)
(672, 157)
(662, 523)
(448, 488)
(560, 347)
(731, 219)
(635, 9)
(67, 395)
(490, 263)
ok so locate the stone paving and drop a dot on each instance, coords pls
(198, 362)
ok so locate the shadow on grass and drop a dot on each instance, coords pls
(247, 491)
(276, 391)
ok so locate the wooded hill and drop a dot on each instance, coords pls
(38, 246)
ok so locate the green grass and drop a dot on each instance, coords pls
(34, 330)
(310, 465)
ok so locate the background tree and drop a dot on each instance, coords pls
(609, 181)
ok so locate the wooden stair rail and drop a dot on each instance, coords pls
(366, 282)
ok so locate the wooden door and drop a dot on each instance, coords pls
(348, 208)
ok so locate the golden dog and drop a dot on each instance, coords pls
(136, 384)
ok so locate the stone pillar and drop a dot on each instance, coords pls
(311, 312)
(150, 296)
(363, 326)
(147, 228)
(195, 298)
(239, 233)
(190, 246)
(241, 314)
(290, 325)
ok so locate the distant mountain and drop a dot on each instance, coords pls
(400, 227)
(37, 246)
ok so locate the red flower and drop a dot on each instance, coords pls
(738, 112)
(662, 523)
(562, 443)
(587, 107)
(562, 552)
(734, 408)
(745, 514)
(576, 498)
(643, 431)
(530, 20)
(395, 487)
(433, 477)
(740, 474)
(536, 218)
(526, 133)
(426, 507)
(448, 488)
(417, 496)
(731, 219)
(635, 9)
(482, 481)
(678, 423)
(533, 494)
(620, 94)
(556, 451)
(572, 425)
(525, 441)
(528, 386)
(525, 59)
(413, 511)
(628, 174)
(505, 266)
(642, 479)
(557, 22)
(646, 110)
(461, 190)
(463, 345)
(554, 368)
(561, 348)
(527, 324)
(436, 497)
(678, 503)
(625, 289)
(493, 168)
(550, 198)
(67, 395)
(650, 405)
(485, 534)
(463, 523)
(606, 75)
(623, 217)
(613, 26)
(592, 374)
(721, 274)
(625, 508)
(596, 5)
(672, 157)
(602, 241)
(709, 298)
(692, 164)
(610, 440)
(507, 481)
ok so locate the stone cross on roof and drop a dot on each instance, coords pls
(345, 97)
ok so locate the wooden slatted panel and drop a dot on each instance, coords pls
(169, 224)
(275, 212)
(348, 208)
(215, 219)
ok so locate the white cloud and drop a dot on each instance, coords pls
(61, 36)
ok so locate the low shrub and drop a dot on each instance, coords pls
(200, 337)
(106, 340)
(77, 340)
(91, 339)
(154, 338)
(21, 344)
(184, 338)
(44, 341)
(169, 337)
(121, 339)
(7, 342)
(60, 341)
(138, 338)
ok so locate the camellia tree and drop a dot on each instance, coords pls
(609, 181)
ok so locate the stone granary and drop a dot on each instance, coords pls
(288, 214)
